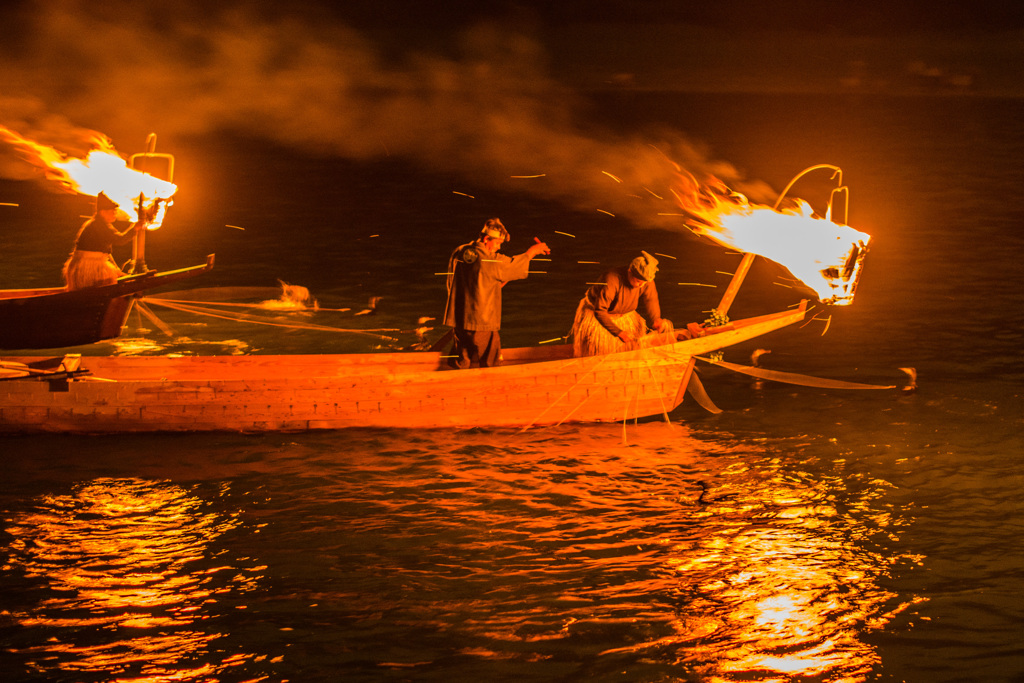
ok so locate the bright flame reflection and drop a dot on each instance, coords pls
(770, 574)
(791, 598)
(129, 580)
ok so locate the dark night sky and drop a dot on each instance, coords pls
(659, 42)
(467, 82)
(737, 44)
(812, 15)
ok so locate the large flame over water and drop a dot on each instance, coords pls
(101, 170)
(823, 254)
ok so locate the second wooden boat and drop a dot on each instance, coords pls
(54, 317)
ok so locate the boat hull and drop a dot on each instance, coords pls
(535, 386)
(54, 317)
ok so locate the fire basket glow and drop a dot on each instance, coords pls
(844, 280)
(824, 254)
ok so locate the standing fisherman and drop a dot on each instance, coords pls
(92, 261)
(476, 274)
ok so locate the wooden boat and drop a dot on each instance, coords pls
(535, 386)
(54, 317)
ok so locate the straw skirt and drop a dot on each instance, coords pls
(90, 269)
(590, 338)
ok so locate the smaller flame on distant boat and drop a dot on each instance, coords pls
(826, 256)
(101, 170)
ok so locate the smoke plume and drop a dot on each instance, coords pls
(489, 112)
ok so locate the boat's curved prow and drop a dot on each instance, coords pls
(56, 317)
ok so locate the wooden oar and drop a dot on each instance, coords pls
(22, 371)
(696, 389)
(443, 341)
(12, 370)
(794, 378)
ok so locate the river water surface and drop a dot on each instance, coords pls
(802, 534)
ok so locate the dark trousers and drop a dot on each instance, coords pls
(472, 346)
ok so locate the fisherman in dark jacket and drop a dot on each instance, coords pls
(92, 261)
(476, 275)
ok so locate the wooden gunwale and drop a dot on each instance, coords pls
(535, 386)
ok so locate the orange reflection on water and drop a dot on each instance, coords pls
(723, 562)
(790, 597)
(127, 558)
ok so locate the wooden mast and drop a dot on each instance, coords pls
(145, 162)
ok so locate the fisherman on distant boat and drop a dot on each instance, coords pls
(92, 261)
(620, 310)
(476, 274)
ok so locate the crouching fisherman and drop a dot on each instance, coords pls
(619, 311)
(92, 261)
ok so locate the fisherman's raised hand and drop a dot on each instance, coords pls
(662, 325)
(537, 247)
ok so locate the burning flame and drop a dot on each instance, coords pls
(102, 170)
(824, 255)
